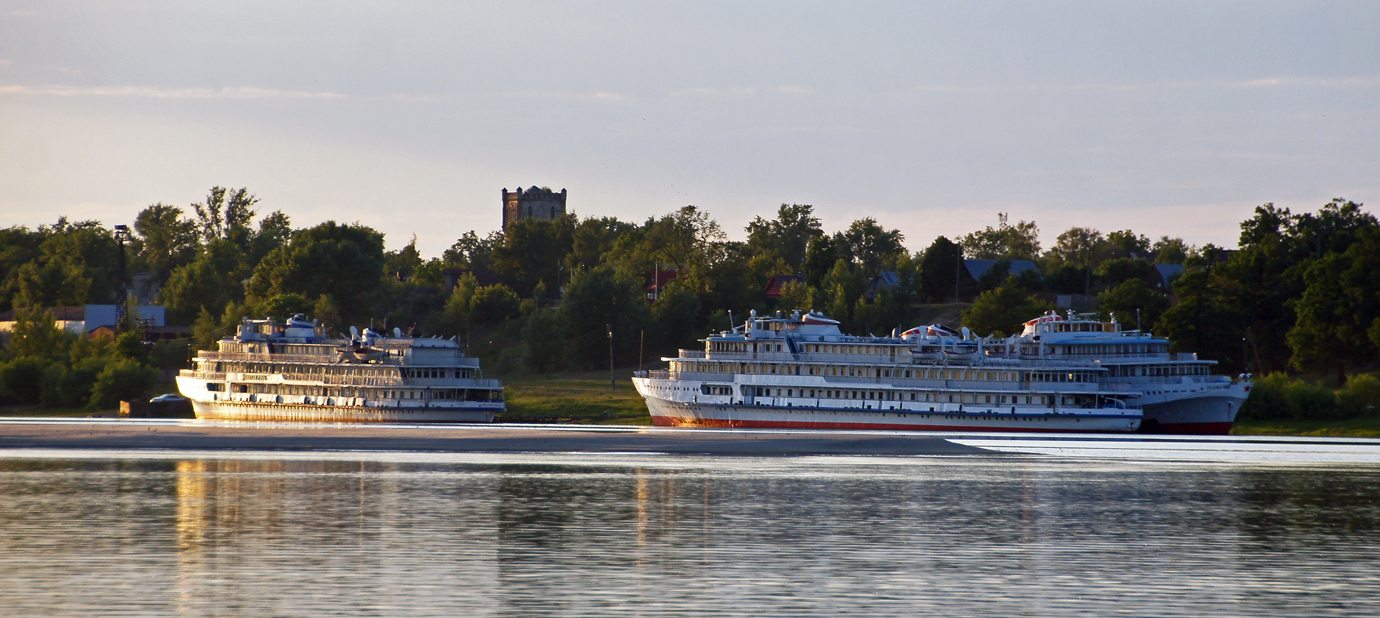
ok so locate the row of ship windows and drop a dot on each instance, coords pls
(762, 391)
(876, 372)
(814, 348)
(447, 394)
(1097, 349)
(342, 370)
(1157, 370)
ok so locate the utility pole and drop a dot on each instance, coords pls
(610, 330)
(641, 345)
(958, 267)
(122, 287)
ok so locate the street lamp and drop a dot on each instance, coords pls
(610, 330)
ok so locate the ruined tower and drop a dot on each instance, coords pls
(533, 203)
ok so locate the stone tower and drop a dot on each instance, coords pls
(534, 203)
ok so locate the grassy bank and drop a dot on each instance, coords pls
(574, 397)
(1349, 428)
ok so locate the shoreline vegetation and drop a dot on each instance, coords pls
(548, 303)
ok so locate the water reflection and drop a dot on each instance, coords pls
(696, 536)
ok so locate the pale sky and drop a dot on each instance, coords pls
(1166, 118)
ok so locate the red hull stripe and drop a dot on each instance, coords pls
(667, 421)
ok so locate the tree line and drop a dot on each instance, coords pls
(1298, 294)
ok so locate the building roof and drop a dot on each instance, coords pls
(977, 268)
(883, 280)
(66, 314)
(1168, 272)
(660, 279)
(773, 289)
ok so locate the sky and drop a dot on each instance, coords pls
(1166, 118)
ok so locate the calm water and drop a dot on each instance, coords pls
(647, 535)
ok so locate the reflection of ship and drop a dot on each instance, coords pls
(274, 371)
(1177, 391)
(801, 372)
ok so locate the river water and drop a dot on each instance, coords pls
(647, 535)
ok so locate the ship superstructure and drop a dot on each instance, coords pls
(290, 371)
(802, 372)
(1177, 390)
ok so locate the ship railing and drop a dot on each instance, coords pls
(274, 357)
(656, 374)
(692, 354)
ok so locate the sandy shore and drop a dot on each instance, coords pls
(193, 435)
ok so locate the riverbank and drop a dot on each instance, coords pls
(172, 435)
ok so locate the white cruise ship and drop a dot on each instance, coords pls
(276, 371)
(1177, 391)
(801, 372)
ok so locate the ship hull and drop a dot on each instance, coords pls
(1206, 413)
(253, 411)
(667, 413)
(219, 407)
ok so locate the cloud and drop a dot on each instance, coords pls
(151, 92)
(1264, 82)
(4, 62)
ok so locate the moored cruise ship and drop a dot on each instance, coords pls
(1177, 390)
(802, 372)
(290, 371)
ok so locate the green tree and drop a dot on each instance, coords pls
(130, 345)
(544, 341)
(873, 246)
(1133, 302)
(275, 230)
(473, 252)
(796, 295)
(1339, 306)
(820, 257)
(939, 270)
(36, 334)
(604, 297)
(403, 263)
(1203, 321)
(169, 238)
(343, 261)
(21, 379)
(1171, 250)
(226, 214)
(532, 252)
(592, 240)
(55, 283)
(1004, 242)
(1128, 244)
(1002, 310)
(493, 303)
(675, 319)
(213, 280)
(124, 380)
(788, 235)
(1114, 272)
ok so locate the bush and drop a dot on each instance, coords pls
(21, 380)
(123, 380)
(71, 388)
(544, 341)
(1276, 397)
(493, 303)
(1266, 401)
(1312, 402)
(1361, 397)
